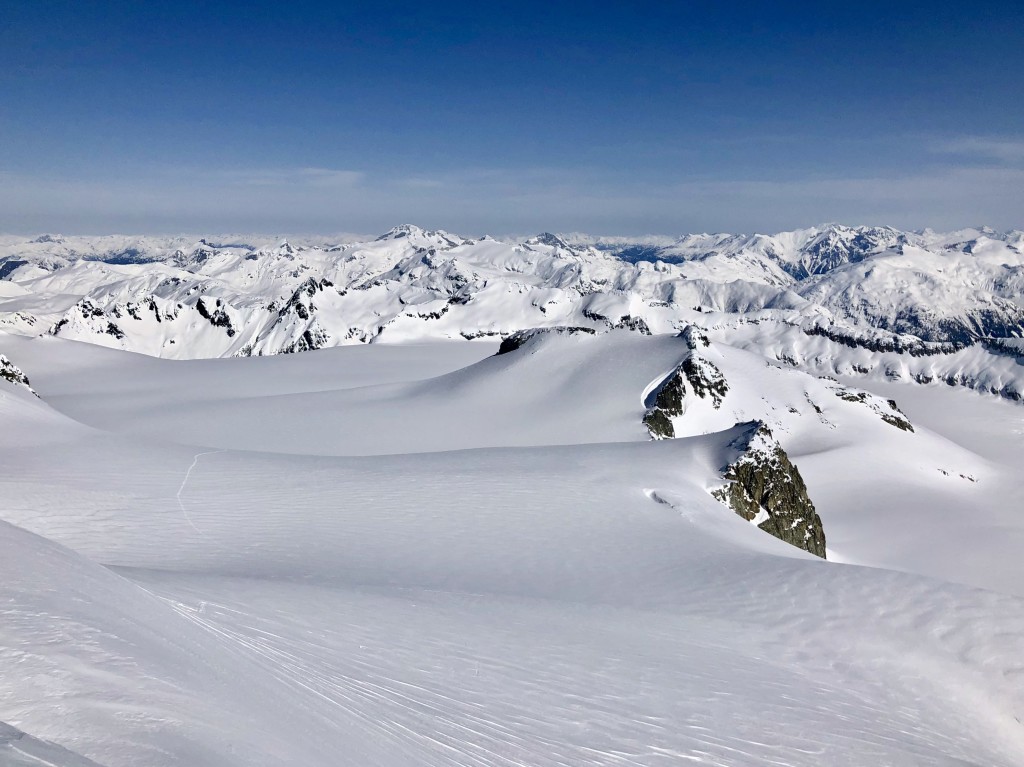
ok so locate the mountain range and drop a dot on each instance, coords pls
(846, 300)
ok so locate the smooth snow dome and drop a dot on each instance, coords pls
(396, 501)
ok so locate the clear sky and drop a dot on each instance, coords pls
(660, 117)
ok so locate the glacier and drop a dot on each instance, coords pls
(443, 533)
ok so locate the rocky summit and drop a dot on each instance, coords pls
(765, 488)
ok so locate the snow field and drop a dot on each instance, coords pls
(415, 556)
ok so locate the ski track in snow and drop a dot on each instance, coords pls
(177, 496)
(435, 689)
(524, 600)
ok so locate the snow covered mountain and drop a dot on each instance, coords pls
(214, 297)
(915, 306)
(528, 502)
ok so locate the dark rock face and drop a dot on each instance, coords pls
(314, 337)
(659, 425)
(518, 339)
(12, 373)
(913, 346)
(668, 403)
(636, 324)
(919, 335)
(897, 418)
(694, 337)
(705, 379)
(297, 303)
(218, 317)
(695, 374)
(888, 412)
(766, 487)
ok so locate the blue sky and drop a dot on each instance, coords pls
(508, 117)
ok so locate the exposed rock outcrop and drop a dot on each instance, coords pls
(900, 344)
(11, 372)
(636, 324)
(668, 403)
(695, 374)
(312, 338)
(765, 488)
(889, 412)
(518, 339)
(704, 377)
(218, 316)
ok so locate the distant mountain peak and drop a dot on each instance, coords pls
(551, 240)
(421, 237)
(400, 231)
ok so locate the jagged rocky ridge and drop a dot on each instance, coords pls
(765, 488)
(714, 387)
(993, 366)
(13, 374)
(763, 485)
(890, 413)
(705, 381)
(519, 339)
(699, 396)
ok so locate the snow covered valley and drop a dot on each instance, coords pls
(452, 538)
(429, 554)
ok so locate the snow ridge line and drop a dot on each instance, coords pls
(177, 496)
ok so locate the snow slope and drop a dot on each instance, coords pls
(559, 390)
(487, 607)
(430, 554)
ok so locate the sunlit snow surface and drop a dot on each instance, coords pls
(425, 555)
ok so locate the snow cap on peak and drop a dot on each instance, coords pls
(547, 238)
(435, 237)
(400, 231)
